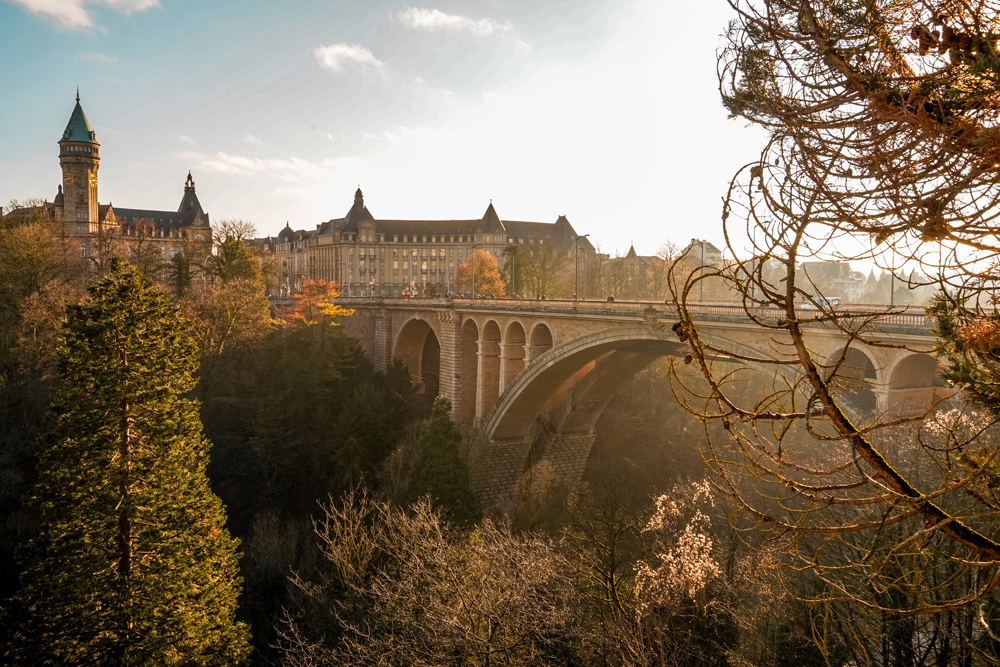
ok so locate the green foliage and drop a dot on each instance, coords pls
(180, 274)
(132, 564)
(235, 260)
(440, 472)
(971, 368)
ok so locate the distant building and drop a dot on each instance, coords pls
(98, 227)
(365, 255)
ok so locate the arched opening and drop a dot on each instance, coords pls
(853, 382)
(913, 382)
(514, 352)
(541, 341)
(916, 370)
(489, 367)
(418, 348)
(430, 367)
(470, 368)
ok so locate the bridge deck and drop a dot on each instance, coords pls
(908, 319)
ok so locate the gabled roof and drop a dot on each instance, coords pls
(491, 221)
(631, 253)
(188, 214)
(78, 128)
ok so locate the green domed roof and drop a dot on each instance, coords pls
(78, 128)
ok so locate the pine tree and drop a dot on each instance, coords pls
(439, 470)
(132, 564)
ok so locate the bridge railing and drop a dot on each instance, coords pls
(901, 315)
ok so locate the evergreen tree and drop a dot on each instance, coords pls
(132, 564)
(439, 470)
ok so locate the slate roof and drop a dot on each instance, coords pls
(78, 128)
(188, 214)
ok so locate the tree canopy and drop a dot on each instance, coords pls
(486, 275)
(133, 563)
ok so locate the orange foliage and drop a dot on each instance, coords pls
(314, 304)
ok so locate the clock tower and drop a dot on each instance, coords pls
(79, 158)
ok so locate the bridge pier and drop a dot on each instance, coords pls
(568, 454)
(450, 369)
(495, 471)
(487, 376)
(382, 354)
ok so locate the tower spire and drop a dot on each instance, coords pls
(78, 94)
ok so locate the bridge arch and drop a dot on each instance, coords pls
(570, 385)
(418, 347)
(860, 377)
(914, 379)
(514, 352)
(541, 340)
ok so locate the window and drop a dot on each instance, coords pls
(350, 252)
(405, 237)
(395, 265)
(425, 238)
(434, 239)
(395, 238)
(434, 252)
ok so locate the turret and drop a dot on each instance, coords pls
(79, 158)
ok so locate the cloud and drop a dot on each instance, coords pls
(97, 57)
(252, 140)
(340, 55)
(74, 15)
(421, 18)
(129, 6)
(291, 170)
(186, 139)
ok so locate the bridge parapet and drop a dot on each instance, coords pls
(890, 319)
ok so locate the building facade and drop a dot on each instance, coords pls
(102, 230)
(367, 256)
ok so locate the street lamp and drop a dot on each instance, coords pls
(473, 259)
(701, 269)
(576, 267)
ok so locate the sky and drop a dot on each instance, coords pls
(605, 111)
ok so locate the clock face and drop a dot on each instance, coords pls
(68, 180)
(92, 177)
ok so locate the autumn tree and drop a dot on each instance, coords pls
(883, 146)
(486, 275)
(133, 563)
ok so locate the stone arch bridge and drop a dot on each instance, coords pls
(535, 376)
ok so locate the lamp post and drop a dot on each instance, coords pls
(473, 258)
(701, 273)
(576, 267)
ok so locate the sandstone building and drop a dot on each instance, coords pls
(366, 255)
